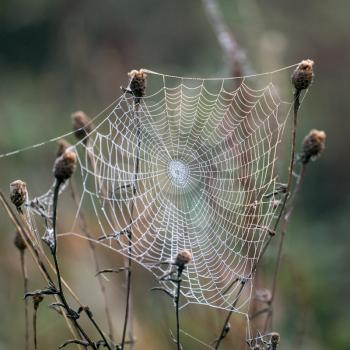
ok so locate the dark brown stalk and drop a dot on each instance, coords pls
(177, 302)
(34, 328)
(25, 287)
(129, 233)
(60, 291)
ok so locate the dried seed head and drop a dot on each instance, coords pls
(275, 339)
(19, 242)
(303, 75)
(183, 258)
(82, 126)
(138, 84)
(18, 193)
(63, 145)
(313, 145)
(65, 165)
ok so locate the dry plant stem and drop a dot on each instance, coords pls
(287, 197)
(34, 329)
(58, 273)
(84, 228)
(60, 290)
(23, 230)
(129, 263)
(223, 330)
(177, 300)
(25, 287)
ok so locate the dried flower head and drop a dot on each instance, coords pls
(18, 193)
(313, 145)
(303, 75)
(19, 242)
(137, 84)
(275, 339)
(65, 165)
(63, 145)
(183, 258)
(82, 126)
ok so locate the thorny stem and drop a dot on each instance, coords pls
(84, 228)
(223, 333)
(129, 232)
(25, 287)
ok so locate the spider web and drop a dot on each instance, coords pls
(192, 166)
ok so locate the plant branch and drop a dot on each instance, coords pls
(25, 287)
(129, 232)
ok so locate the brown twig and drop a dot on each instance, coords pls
(25, 288)
(129, 232)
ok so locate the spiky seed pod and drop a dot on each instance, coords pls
(313, 145)
(138, 84)
(19, 242)
(82, 126)
(63, 145)
(303, 75)
(18, 193)
(65, 166)
(275, 339)
(183, 258)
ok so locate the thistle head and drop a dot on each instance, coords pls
(183, 258)
(303, 75)
(275, 339)
(137, 84)
(313, 145)
(18, 193)
(65, 166)
(82, 126)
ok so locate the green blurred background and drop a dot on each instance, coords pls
(60, 56)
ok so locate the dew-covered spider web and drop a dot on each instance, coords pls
(193, 165)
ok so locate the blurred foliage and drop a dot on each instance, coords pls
(60, 56)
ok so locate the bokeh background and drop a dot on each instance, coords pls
(60, 56)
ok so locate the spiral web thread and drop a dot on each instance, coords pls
(192, 166)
